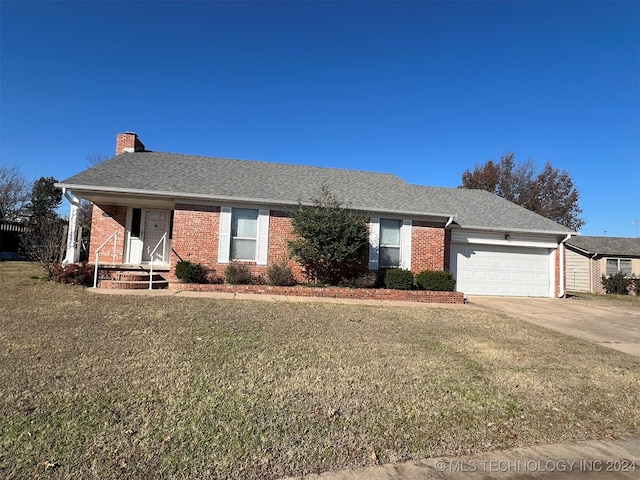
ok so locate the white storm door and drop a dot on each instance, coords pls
(156, 224)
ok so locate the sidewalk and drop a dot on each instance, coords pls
(590, 459)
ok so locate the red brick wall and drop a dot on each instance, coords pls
(195, 235)
(429, 248)
(331, 292)
(596, 275)
(279, 237)
(105, 220)
(196, 229)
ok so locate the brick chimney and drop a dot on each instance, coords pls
(128, 142)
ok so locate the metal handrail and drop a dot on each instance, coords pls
(163, 242)
(115, 245)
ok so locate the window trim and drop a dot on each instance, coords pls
(397, 246)
(225, 238)
(406, 227)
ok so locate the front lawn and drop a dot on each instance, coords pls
(115, 386)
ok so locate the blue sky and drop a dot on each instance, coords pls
(424, 90)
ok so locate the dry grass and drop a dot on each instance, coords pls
(97, 386)
(629, 299)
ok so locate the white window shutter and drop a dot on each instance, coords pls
(263, 237)
(374, 243)
(405, 248)
(224, 239)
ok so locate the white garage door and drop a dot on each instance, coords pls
(508, 271)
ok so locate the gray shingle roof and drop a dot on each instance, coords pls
(618, 246)
(188, 176)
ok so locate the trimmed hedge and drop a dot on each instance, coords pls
(191, 272)
(280, 274)
(437, 281)
(398, 279)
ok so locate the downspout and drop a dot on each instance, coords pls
(562, 292)
(73, 253)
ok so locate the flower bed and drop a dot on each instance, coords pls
(425, 296)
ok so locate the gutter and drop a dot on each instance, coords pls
(72, 200)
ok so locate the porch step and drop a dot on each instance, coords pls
(131, 280)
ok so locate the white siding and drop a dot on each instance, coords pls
(577, 272)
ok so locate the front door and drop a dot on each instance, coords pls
(156, 224)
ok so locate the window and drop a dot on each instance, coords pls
(244, 234)
(136, 218)
(615, 265)
(390, 242)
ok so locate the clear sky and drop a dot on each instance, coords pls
(424, 90)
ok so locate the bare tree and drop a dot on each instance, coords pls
(14, 193)
(97, 158)
(551, 193)
(45, 240)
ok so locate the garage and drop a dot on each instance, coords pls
(501, 270)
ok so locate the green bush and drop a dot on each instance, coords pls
(617, 284)
(398, 279)
(635, 285)
(330, 239)
(280, 274)
(191, 272)
(238, 274)
(437, 281)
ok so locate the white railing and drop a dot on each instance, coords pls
(153, 252)
(113, 236)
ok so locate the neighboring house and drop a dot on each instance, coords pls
(162, 207)
(589, 258)
(10, 234)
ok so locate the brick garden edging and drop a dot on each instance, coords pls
(328, 292)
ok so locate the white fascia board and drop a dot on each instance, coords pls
(498, 238)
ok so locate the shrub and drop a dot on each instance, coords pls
(330, 239)
(635, 285)
(280, 274)
(191, 272)
(437, 281)
(238, 274)
(398, 279)
(367, 279)
(72, 274)
(617, 284)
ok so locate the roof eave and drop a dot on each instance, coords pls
(229, 199)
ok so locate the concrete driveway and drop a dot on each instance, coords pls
(608, 323)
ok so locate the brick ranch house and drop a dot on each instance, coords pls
(161, 207)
